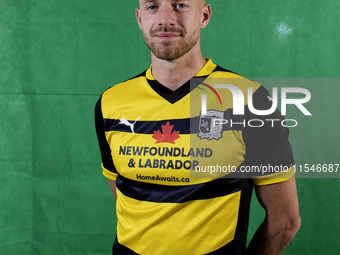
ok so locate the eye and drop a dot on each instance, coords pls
(181, 6)
(151, 7)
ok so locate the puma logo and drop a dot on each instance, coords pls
(126, 123)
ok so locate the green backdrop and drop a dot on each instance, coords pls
(57, 57)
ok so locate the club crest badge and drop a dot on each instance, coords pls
(208, 128)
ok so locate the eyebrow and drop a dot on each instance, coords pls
(149, 1)
(154, 1)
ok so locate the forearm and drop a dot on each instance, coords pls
(113, 188)
(273, 238)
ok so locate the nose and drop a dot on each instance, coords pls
(166, 16)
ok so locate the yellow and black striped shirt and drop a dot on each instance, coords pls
(153, 139)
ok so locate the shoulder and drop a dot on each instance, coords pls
(124, 87)
(122, 96)
(236, 84)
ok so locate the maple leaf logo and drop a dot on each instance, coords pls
(166, 136)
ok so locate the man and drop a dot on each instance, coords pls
(143, 128)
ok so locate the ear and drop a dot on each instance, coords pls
(206, 14)
(138, 17)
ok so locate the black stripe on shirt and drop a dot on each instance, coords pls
(177, 194)
(184, 126)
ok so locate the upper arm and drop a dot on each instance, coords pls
(109, 169)
(280, 202)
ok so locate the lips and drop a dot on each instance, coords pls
(167, 35)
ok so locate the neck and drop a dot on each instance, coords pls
(173, 74)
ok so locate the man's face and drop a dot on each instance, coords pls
(171, 28)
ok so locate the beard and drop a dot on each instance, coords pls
(171, 50)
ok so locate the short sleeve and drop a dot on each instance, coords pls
(109, 170)
(267, 146)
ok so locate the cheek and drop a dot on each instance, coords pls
(143, 24)
(193, 23)
(192, 27)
